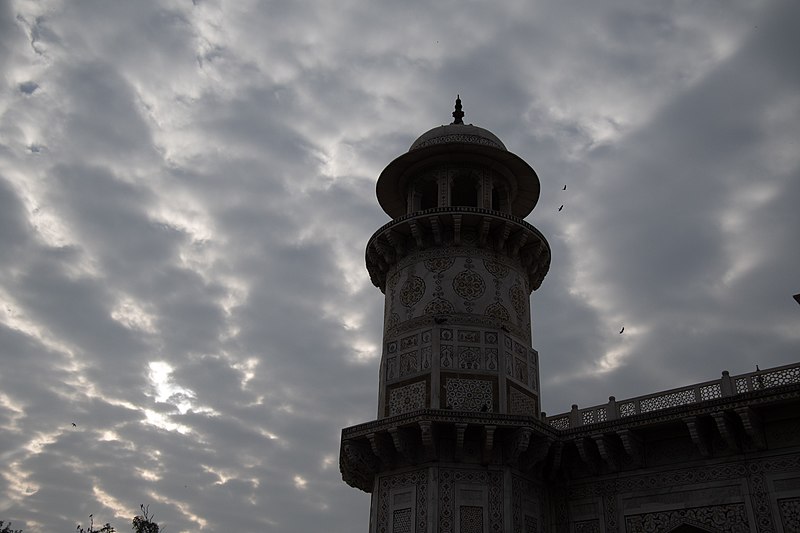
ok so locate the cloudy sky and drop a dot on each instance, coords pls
(187, 188)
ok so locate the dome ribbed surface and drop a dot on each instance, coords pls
(457, 133)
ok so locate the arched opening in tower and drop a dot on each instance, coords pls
(500, 199)
(428, 194)
(464, 193)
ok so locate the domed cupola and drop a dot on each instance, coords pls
(458, 165)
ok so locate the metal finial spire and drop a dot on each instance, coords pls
(458, 114)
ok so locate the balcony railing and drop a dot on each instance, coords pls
(726, 386)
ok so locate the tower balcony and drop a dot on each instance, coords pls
(451, 226)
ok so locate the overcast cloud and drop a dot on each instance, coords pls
(187, 188)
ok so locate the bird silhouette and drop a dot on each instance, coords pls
(74, 425)
(565, 188)
(623, 329)
(562, 207)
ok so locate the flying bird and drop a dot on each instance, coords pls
(74, 425)
(623, 329)
(562, 207)
(565, 188)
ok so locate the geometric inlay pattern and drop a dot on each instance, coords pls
(401, 521)
(709, 392)
(469, 394)
(448, 478)
(790, 513)
(587, 526)
(418, 478)
(520, 403)
(465, 138)
(471, 519)
(518, 300)
(663, 401)
(407, 398)
(730, 517)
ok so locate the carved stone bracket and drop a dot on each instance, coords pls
(536, 456)
(753, 426)
(555, 458)
(700, 434)
(488, 444)
(382, 449)
(484, 231)
(397, 242)
(402, 443)
(461, 429)
(607, 451)
(428, 439)
(415, 231)
(502, 236)
(518, 444)
(358, 465)
(436, 229)
(632, 445)
(726, 429)
(588, 453)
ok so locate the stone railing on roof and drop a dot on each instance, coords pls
(726, 386)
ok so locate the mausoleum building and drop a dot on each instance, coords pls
(460, 445)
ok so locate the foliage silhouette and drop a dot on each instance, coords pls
(144, 523)
(6, 528)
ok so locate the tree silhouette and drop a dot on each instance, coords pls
(107, 528)
(144, 523)
(6, 528)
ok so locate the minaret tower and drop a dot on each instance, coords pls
(459, 439)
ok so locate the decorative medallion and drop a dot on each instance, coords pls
(497, 310)
(408, 342)
(469, 285)
(412, 291)
(439, 306)
(409, 363)
(498, 270)
(439, 264)
(469, 359)
(467, 335)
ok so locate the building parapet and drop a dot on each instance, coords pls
(726, 386)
